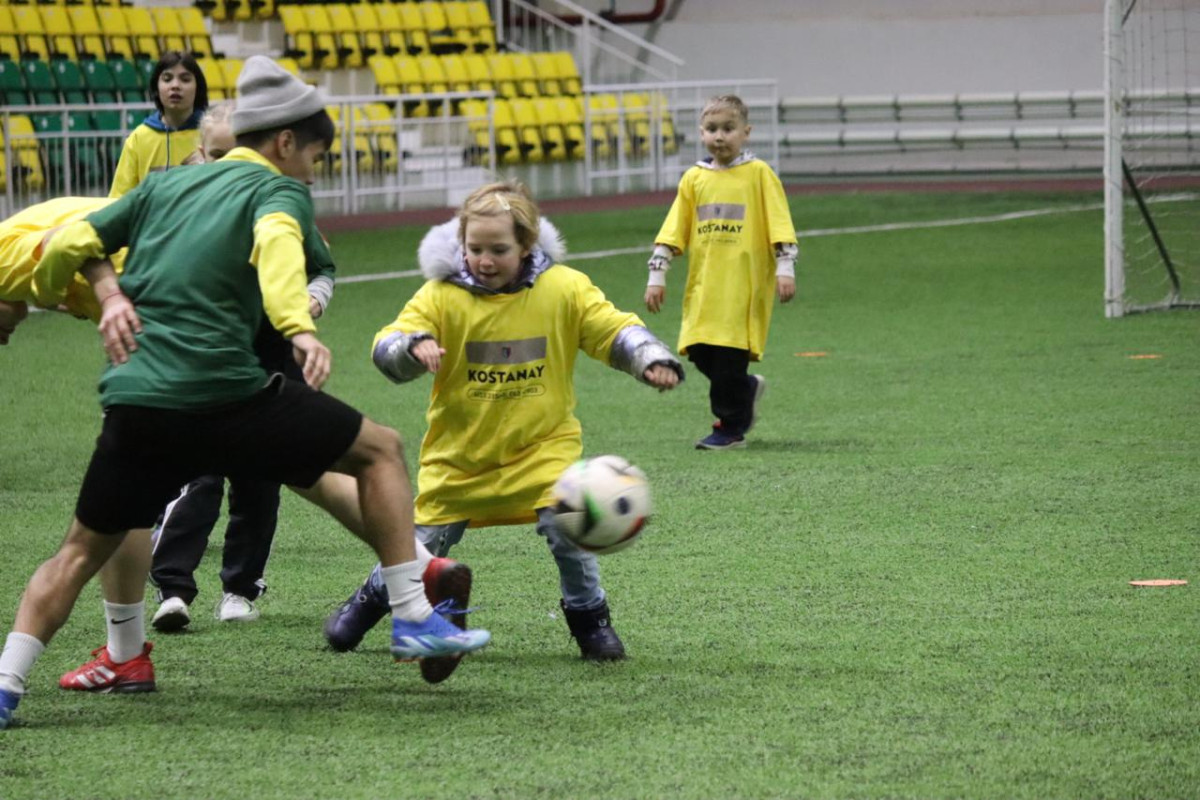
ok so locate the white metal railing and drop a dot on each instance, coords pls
(601, 59)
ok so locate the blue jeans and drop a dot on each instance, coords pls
(578, 572)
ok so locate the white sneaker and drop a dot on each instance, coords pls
(171, 616)
(235, 608)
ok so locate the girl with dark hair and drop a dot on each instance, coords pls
(172, 132)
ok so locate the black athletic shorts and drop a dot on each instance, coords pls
(287, 433)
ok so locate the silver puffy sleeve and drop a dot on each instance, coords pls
(392, 358)
(636, 349)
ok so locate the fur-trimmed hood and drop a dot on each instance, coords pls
(441, 257)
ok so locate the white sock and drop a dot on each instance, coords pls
(423, 555)
(126, 630)
(20, 652)
(406, 590)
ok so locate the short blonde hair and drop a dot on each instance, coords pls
(727, 102)
(497, 199)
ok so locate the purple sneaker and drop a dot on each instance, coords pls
(347, 626)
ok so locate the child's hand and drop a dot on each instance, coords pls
(314, 307)
(119, 325)
(661, 376)
(654, 298)
(429, 353)
(313, 357)
(785, 288)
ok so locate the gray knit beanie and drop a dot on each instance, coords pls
(268, 96)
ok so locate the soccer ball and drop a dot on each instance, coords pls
(601, 504)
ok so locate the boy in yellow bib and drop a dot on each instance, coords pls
(732, 213)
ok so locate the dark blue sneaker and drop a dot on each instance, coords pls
(8, 704)
(347, 626)
(593, 631)
(435, 636)
(719, 440)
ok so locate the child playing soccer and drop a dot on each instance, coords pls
(184, 394)
(171, 134)
(499, 324)
(732, 213)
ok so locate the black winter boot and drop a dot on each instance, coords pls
(593, 631)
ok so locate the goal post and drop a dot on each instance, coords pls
(1151, 155)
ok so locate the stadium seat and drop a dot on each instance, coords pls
(567, 135)
(458, 17)
(31, 34)
(531, 131)
(10, 46)
(411, 81)
(169, 29)
(456, 74)
(199, 41)
(40, 82)
(108, 146)
(142, 32)
(310, 50)
(381, 128)
(337, 21)
(69, 80)
(370, 33)
(478, 72)
(229, 68)
(26, 169)
(115, 29)
(442, 38)
(412, 22)
(100, 81)
(219, 86)
(545, 65)
(391, 28)
(501, 69)
(89, 39)
(383, 70)
(363, 156)
(59, 32)
(290, 65)
(570, 111)
(478, 125)
(482, 27)
(568, 73)
(69, 161)
(12, 84)
(523, 74)
(433, 76)
(125, 80)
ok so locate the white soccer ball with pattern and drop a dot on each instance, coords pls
(602, 504)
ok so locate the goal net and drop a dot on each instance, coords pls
(1152, 155)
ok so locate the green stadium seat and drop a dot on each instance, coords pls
(40, 82)
(12, 84)
(99, 79)
(69, 80)
(126, 80)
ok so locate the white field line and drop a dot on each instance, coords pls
(882, 228)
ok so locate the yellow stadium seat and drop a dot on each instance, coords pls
(478, 72)
(290, 65)
(523, 73)
(458, 17)
(456, 73)
(568, 73)
(433, 73)
(383, 70)
(365, 23)
(381, 130)
(531, 130)
(31, 34)
(10, 46)
(302, 43)
(411, 82)
(231, 68)
(344, 43)
(503, 79)
(479, 124)
(529, 140)
(482, 27)
(141, 29)
(214, 76)
(363, 156)
(170, 31)
(263, 9)
(568, 135)
(442, 37)
(59, 32)
(545, 65)
(391, 28)
(116, 32)
(89, 39)
(413, 24)
(199, 41)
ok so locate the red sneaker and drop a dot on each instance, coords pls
(102, 676)
(446, 579)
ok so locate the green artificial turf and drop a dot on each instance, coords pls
(912, 583)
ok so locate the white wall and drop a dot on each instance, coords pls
(855, 47)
